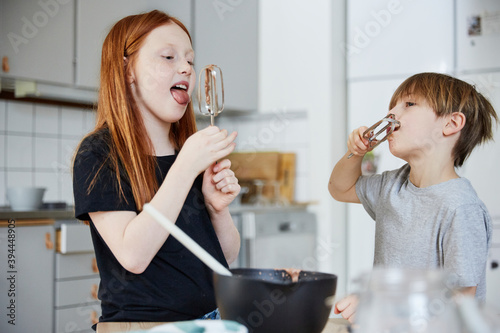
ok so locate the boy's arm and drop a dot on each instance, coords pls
(345, 174)
(342, 184)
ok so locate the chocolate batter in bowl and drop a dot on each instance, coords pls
(294, 273)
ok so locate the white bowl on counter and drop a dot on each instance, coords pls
(25, 198)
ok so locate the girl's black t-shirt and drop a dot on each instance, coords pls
(176, 285)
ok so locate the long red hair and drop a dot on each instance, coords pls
(131, 152)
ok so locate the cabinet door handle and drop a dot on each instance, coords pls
(285, 227)
(95, 269)
(93, 291)
(5, 64)
(49, 244)
(93, 317)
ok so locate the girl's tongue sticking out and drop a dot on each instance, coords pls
(179, 93)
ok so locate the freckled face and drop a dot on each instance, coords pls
(162, 76)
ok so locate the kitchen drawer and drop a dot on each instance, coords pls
(75, 265)
(77, 319)
(289, 236)
(74, 238)
(74, 292)
(268, 225)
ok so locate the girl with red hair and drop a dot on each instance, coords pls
(145, 148)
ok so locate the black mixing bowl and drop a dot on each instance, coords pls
(267, 301)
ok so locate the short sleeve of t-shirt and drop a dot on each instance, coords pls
(370, 189)
(95, 186)
(465, 245)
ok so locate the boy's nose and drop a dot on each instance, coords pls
(395, 110)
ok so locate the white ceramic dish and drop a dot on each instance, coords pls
(25, 198)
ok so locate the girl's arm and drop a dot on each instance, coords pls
(134, 238)
(220, 187)
(228, 235)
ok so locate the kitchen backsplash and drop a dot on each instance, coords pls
(38, 142)
(279, 130)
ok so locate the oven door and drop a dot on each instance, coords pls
(278, 239)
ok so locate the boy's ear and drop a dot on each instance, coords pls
(455, 123)
(129, 74)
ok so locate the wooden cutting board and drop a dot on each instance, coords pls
(267, 166)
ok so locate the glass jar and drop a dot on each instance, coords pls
(407, 301)
(259, 199)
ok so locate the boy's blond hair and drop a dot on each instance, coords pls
(445, 95)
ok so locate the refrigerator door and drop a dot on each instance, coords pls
(493, 270)
(482, 170)
(483, 165)
(478, 34)
(387, 38)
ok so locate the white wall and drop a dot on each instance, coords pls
(299, 43)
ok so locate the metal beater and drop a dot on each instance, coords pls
(372, 137)
(210, 81)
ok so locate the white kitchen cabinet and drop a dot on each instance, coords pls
(478, 34)
(37, 38)
(94, 19)
(485, 159)
(295, 55)
(493, 269)
(273, 53)
(77, 319)
(482, 170)
(398, 37)
(27, 286)
(76, 281)
(290, 235)
(225, 34)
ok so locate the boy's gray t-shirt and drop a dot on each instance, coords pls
(444, 225)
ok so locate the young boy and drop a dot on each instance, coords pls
(426, 215)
